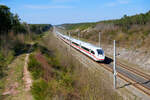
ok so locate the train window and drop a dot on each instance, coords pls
(100, 52)
(75, 44)
(85, 48)
(92, 52)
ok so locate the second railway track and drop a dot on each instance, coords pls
(144, 75)
(133, 70)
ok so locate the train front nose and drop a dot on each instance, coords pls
(101, 57)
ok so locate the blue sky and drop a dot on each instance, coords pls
(74, 11)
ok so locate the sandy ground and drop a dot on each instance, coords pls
(47, 68)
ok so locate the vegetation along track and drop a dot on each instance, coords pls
(134, 77)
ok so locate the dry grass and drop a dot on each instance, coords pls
(137, 36)
(87, 85)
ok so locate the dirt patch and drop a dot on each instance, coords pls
(11, 90)
(27, 78)
(46, 67)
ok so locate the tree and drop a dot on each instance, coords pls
(5, 19)
(16, 24)
(125, 16)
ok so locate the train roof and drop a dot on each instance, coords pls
(88, 45)
(85, 44)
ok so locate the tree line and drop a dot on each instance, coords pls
(14, 34)
(127, 21)
(11, 22)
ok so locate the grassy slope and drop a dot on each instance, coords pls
(51, 80)
(64, 81)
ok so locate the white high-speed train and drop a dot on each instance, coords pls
(90, 50)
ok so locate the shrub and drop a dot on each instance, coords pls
(35, 67)
(67, 81)
(41, 90)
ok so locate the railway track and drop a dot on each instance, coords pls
(133, 70)
(144, 75)
(138, 84)
(131, 81)
(133, 76)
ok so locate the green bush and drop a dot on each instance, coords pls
(2, 64)
(1, 58)
(35, 67)
(41, 90)
(67, 81)
(39, 28)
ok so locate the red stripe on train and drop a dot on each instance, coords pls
(81, 49)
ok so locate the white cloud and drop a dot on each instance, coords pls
(111, 4)
(117, 2)
(64, 1)
(60, 0)
(123, 1)
(47, 7)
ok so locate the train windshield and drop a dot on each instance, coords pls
(100, 52)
